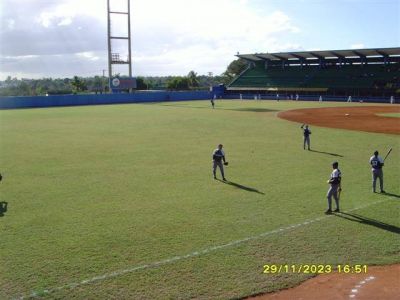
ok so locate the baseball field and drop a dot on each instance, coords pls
(118, 201)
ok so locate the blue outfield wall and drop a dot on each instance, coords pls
(154, 96)
(95, 99)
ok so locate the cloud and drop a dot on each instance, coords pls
(10, 24)
(206, 35)
(210, 21)
(357, 46)
(65, 22)
(50, 40)
(88, 55)
(67, 65)
(168, 37)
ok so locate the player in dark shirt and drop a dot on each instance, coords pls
(306, 135)
(377, 163)
(218, 156)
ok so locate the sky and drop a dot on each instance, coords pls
(64, 38)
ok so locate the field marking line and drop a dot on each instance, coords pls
(356, 289)
(189, 255)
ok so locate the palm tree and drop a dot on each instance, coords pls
(193, 80)
(78, 84)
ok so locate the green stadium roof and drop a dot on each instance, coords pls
(300, 55)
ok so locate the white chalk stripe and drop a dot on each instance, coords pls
(359, 285)
(176, 258)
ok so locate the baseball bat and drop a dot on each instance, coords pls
(390, 150)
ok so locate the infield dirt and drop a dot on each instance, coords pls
(363, 118)
(381, 282)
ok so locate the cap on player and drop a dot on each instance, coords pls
(335, 163)
(376, 153)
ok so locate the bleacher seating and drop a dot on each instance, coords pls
(330, 77)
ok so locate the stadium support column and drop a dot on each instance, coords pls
(129, 39)
(116, 33)
(109, 43)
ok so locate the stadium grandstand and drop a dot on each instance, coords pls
(361, 72)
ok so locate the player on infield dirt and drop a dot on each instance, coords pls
(335, 187)
(377, 163)
(218, 156)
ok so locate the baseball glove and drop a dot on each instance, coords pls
(226, 163)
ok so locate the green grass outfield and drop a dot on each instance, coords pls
(118, 201)
(393, 115)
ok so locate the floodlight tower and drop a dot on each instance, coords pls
(114, 57)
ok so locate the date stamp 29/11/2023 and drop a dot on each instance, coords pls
(314, 268)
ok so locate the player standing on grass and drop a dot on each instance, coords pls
(335, 188)
(219, 156)
(377, 163)
(306, 136)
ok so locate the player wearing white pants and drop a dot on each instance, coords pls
(335, 188)
(377, 163)
(218, 156)
(306, 136)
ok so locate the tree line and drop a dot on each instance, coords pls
(77, 85)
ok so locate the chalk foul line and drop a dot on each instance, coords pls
(182, 257)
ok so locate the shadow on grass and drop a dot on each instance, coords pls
(245, 109)
(3, 208)
(184, 106)
(390, 195)
(242, 187)
(252, 109)
(369, 221)
(328, 153)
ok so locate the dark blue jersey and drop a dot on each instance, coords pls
(218, 155)
(376, 162)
